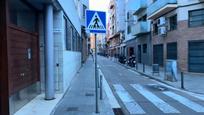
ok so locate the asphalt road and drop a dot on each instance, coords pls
(138, 94)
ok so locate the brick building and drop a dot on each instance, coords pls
(178, 32)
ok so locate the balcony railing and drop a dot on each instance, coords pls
(141, 28)
(160, 7)
(140, 5)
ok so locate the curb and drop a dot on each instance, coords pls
(149, 76)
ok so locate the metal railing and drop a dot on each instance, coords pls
(141, 27)
(158, 5)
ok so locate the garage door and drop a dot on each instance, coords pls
(158, 54)
(196, 56)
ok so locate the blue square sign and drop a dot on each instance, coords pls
(96, 21)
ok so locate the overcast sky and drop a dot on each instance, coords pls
(100, 5)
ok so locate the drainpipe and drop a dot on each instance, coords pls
(49, 53)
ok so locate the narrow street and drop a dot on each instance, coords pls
(138, 94)
(102, 57)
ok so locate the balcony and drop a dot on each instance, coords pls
(141, 28)
(141, 5)
(160, 7)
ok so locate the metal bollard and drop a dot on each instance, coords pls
(98, 82)
(143, 68)
(182, 81)
(101, 87)
(136, 65)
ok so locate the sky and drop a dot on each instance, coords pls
(100, 5)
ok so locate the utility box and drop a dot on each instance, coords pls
(171, 70)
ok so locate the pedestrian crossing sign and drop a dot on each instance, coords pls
(96, 21)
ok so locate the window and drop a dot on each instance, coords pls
(79, 43)
(73, 39)
(22, 15)
(84, 10)
(144, 48)
(113, 30)
(128, 15)
(143, 18)
(172, 51)
(76, 41)
(67, 33)
(155, 29)
(129, 29)
(196, 18)
(173, 22)
(113, 19)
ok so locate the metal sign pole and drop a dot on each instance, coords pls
(96, 23)
(96, 75)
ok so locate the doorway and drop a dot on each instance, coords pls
(139, 54)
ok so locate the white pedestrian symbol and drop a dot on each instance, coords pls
(96, 23)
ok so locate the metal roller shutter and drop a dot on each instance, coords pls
(158, 54)
(196, 56)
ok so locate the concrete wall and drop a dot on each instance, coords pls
(69, 61)
(71, 64)
(66, 63)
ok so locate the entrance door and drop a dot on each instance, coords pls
(196, 56)
(139, 54)
(158, 54)
(131, 51)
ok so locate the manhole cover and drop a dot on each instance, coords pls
(118, 111)
(72, 109)
(157, 87)
(89, 94)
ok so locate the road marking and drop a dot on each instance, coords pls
(190, 104)
(198, 96)
(132, 106)
(112, 99)
(159, 103)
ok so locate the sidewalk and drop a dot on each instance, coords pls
(193, 82)
(80, 98)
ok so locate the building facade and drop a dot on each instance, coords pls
(41, 49)
(116, 26)
(130, 19)
(141, 31)
(177, 32)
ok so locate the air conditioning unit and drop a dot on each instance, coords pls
(161, 21)
(162, 31)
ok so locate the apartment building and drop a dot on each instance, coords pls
(130, 19)
(141, 31)
(83, 5)
(116, 26)
(178, 32)
(40, 49)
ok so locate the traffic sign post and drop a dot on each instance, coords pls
(96, 23)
